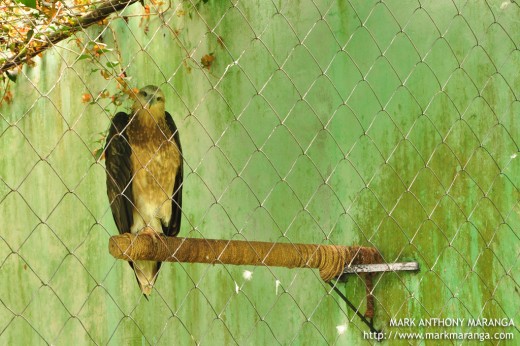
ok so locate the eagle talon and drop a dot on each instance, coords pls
(151, 233)
(127, 234)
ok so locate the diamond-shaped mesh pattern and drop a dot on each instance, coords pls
(392, 124)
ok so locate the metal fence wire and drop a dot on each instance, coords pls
(392, 124)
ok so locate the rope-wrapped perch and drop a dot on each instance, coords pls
(329, 259)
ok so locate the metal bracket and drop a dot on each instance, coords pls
(379, 268)
(368, 271)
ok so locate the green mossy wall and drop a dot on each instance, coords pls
(393, 124)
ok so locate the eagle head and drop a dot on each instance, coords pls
(151, 98)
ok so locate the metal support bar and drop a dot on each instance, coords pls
(369, 323)
(379, 268)
(367, 271)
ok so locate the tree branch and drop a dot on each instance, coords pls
(82, 22)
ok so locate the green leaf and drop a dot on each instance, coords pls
(84, 56)
(112, 64)
(28, 3)
(104, 50)
(98, 153)
(30, 34)
(11, 76)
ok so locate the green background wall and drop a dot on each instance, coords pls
(392, 124)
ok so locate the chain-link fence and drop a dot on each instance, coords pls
(392, 124)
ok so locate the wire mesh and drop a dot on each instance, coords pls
(391, 124)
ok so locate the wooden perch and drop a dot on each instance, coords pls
(331, 260)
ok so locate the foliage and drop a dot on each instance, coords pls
(26, 31)
(28, 3)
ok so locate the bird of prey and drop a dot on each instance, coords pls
(144, 175)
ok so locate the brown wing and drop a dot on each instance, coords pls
(174, 226)
(119, 173)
